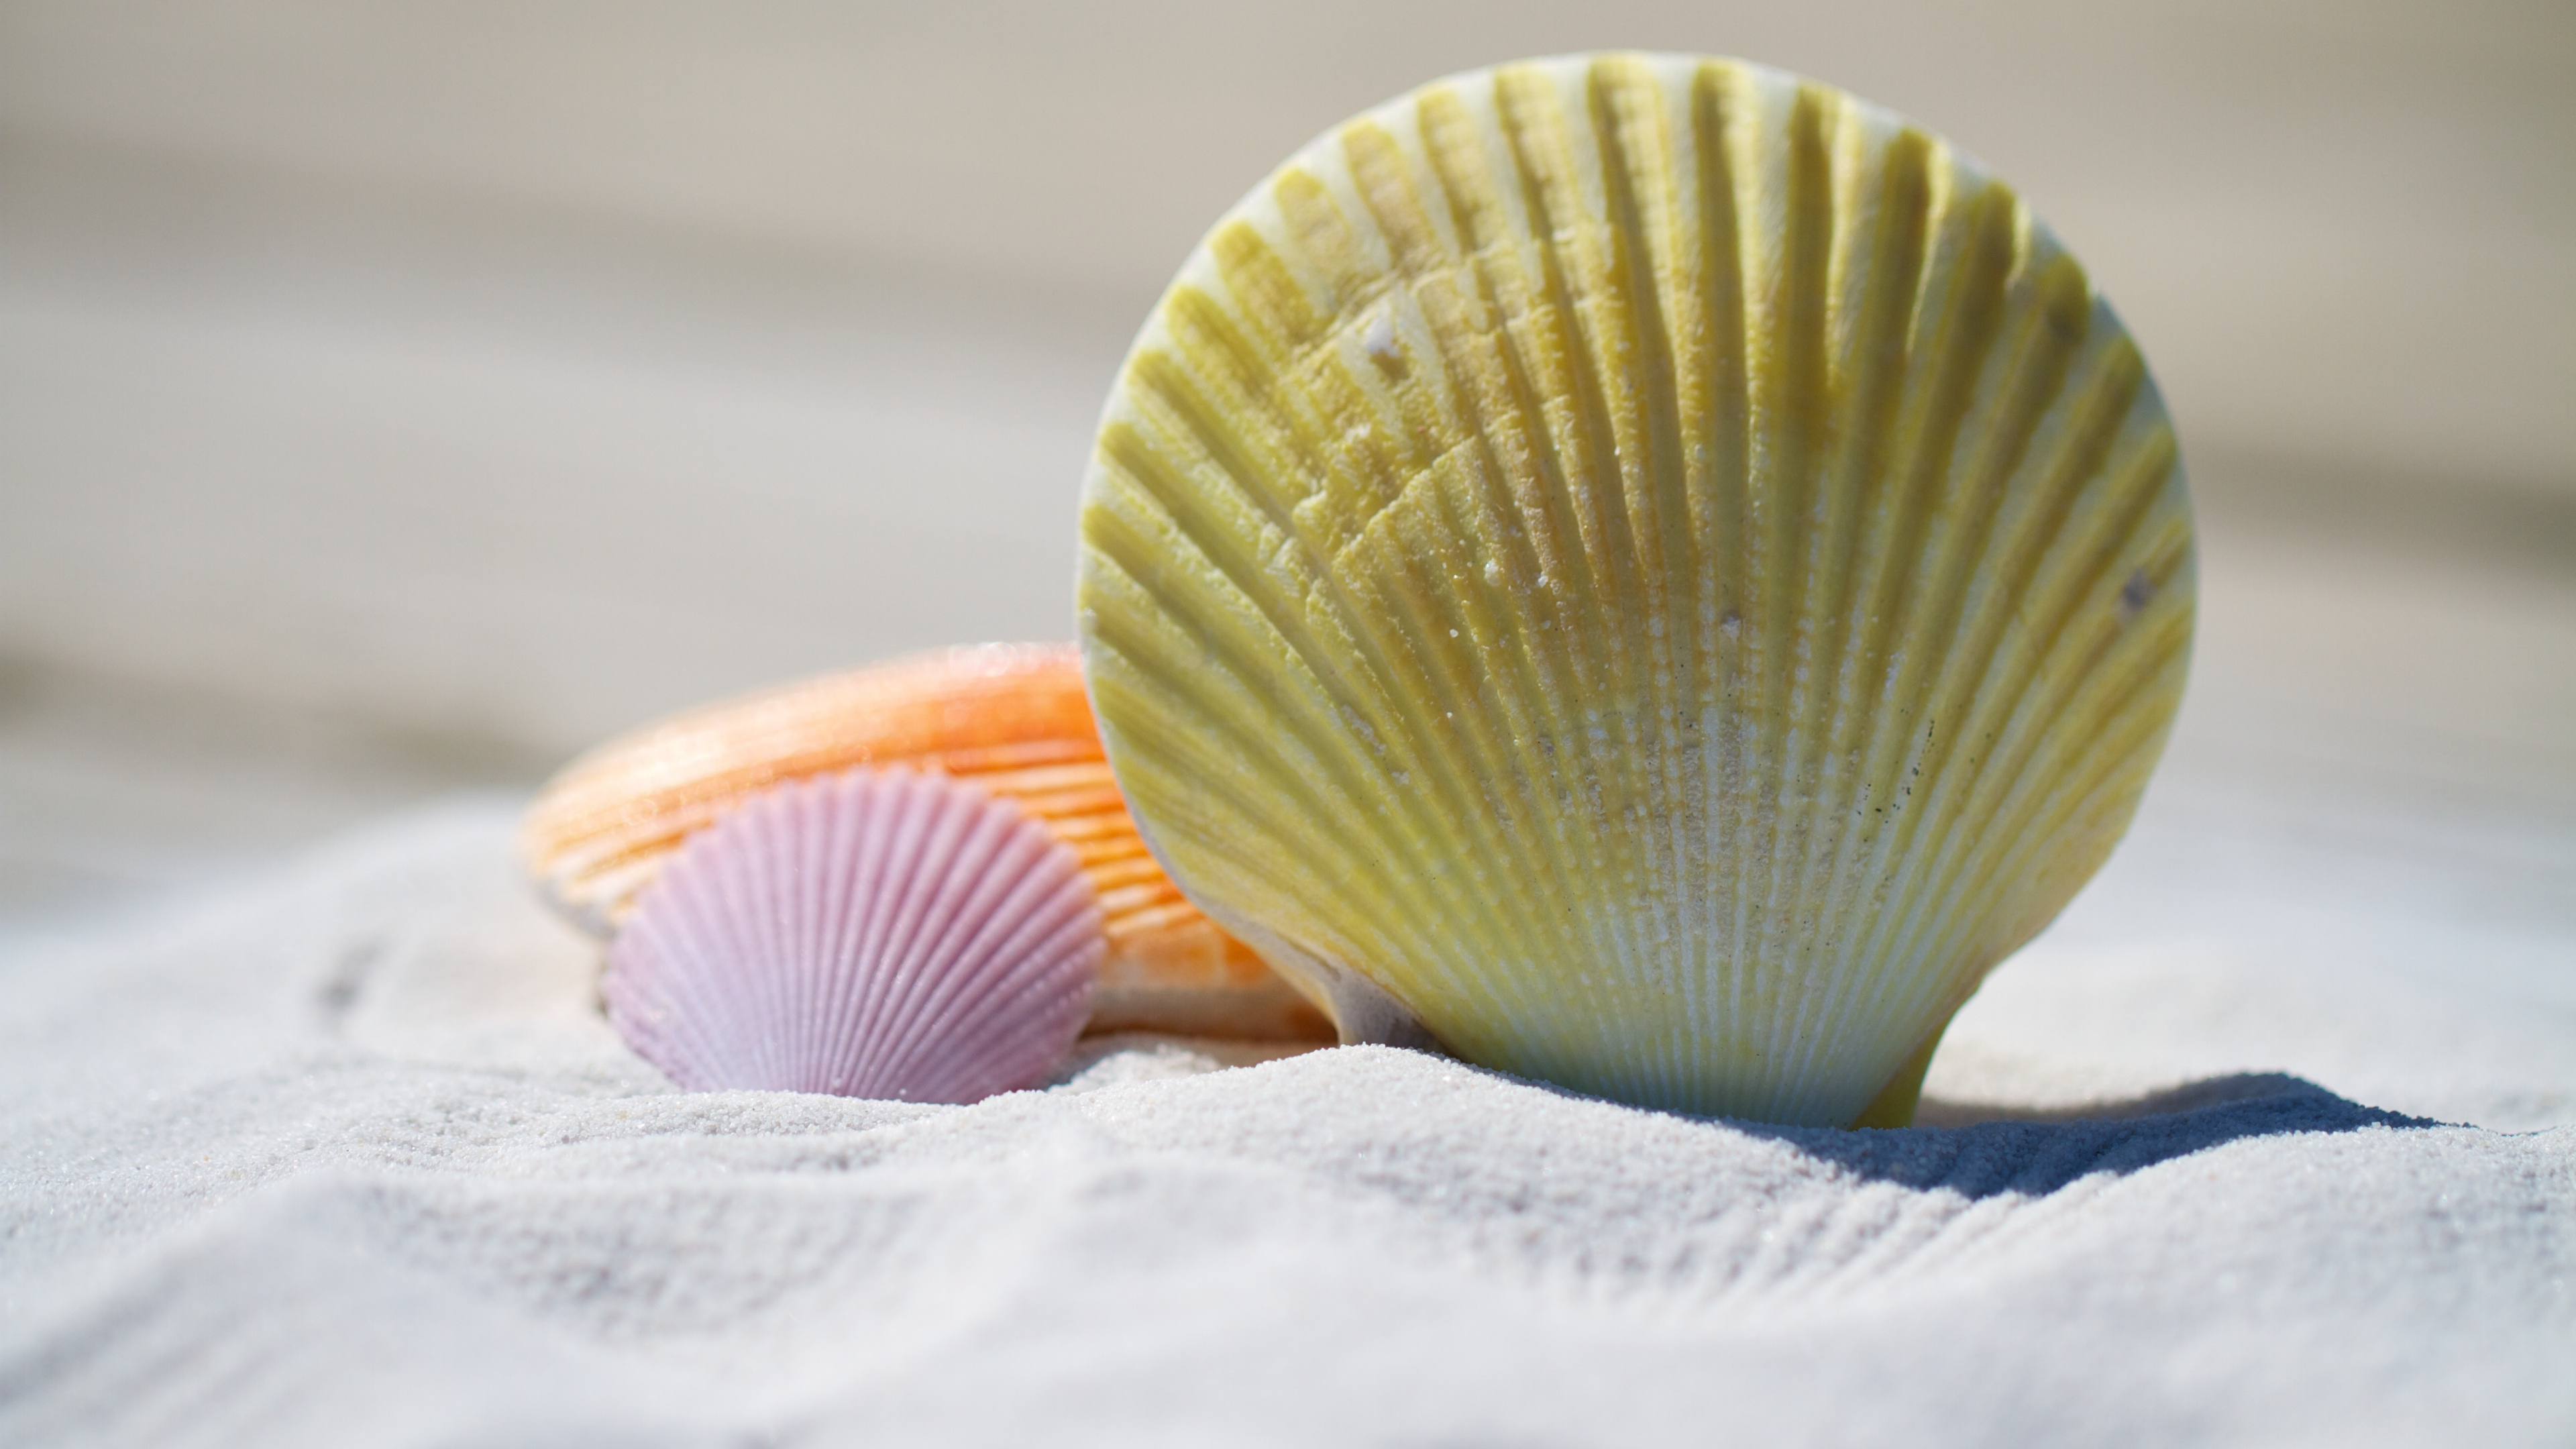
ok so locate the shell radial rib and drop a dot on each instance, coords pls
(1011, 719)
(1649, 572)
(871, 935)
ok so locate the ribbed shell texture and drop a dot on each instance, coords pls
(1661, 569)
(870, 934)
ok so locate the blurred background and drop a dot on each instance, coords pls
(395, 400)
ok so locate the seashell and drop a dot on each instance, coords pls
(1648, 572)
(1011, 719)
(871, 934)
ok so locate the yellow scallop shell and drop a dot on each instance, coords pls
(1008, 718)
(1650, 572)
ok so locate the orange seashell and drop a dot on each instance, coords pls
(1010, 718)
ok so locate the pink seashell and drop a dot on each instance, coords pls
(871, 934)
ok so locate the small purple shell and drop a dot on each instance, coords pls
(872, 934)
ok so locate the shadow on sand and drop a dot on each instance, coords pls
(1980, 1150)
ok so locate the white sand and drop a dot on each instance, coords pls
(348, 1157)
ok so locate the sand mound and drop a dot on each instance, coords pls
(348, 1157)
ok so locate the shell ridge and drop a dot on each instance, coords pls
(1482, 210)
(1787, 424)
(915, 845)
(1223, 405)
(1424, 267)
(648, 1010)
(1513, 802)
(2132, 752)
(1957, 338)
(887, 850)
(948, 947)
(1753, 189)
(1595, 352)
(806, 915)
(1344, 771)
(707, 1004)
(948, 867)
(1942, 364)
(1884, 370)
(1076, 931)
(2031, 728)
(637, 1015)
(1824, 547)
(628, 1004)
(1509, 239)
(1416, 644)
(1466, 382)
(800, 886)
(2015, 815)
(1697, 319)
(2133, 738)
(1722, 531)
(955, 873)
(1188, 687)
(986, 936)
(785, 968)
(1338, 417)
(1626, 101)
(703, 1007)
(736, 880)
(2096, 400)
(1040, 999)
(1227, 454)
(1878, 254)
(1536, 123)
(790, 886)
(1948, 871)
(1533, 122)
(846, 806)
(1022, 999)
(1510, 494)
(852, 870)
(1534, 807)
(1210, 772)
(1166, 483)
(1052, 1003)
(2025, 377)
(1483, 833)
